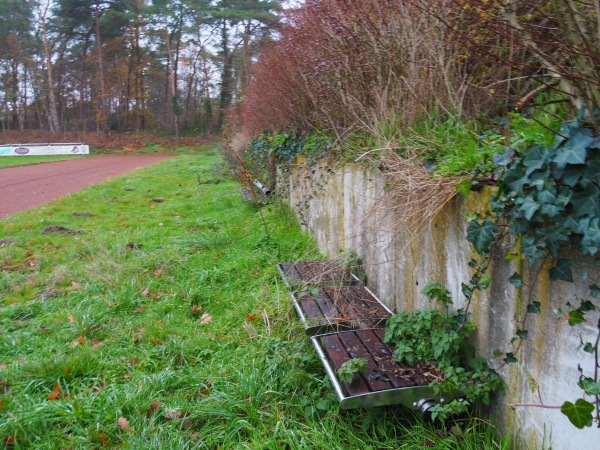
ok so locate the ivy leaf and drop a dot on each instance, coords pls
(523, 334)
(594, 291)
(515, 179)
(587, 201)
(515, 280)
(534, 308)
(562, 270)
(555, 236)
(510, 358)
(572, 175)
(587, 306)
(574, 149)
(497, 353)
(529, 207)
(531, 250)
(591, 237)
(481, 235)
(588, 348)
(535, 158)
(589, 386)
(579, 414)
(503, 158)
(575, 317)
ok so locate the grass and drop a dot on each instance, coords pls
(10, 161)
(162, 323)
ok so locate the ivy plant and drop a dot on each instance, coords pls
(548, 202)
(442, 338)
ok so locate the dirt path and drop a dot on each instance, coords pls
(25, 187)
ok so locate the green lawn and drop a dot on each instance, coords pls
(9, 161)
(159, 321)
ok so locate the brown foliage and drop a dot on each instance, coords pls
(347, 63)
(342, 64)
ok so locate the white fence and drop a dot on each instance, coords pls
(61, 148)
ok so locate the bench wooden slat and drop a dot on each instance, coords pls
(338, 355)
(376, 379)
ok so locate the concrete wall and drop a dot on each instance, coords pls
(349, 209)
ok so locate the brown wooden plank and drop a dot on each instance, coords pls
(362, 304)
(399, 375)
(337, 355)
(328, 307)
(375, 378)
(311, 310)
(291, 273)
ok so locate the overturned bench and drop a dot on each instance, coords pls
(346, 321)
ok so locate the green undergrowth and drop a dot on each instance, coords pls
(11, 161)
(147, 312)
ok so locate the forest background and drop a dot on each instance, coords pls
(106, 66)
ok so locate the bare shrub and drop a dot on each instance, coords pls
(343, 64)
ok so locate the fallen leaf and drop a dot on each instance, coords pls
(10, 440)
(196, 309)
(204, 392)
(251, 318)
(127, 376)
(96, 343)
(205, 319)
(124, 424)
(74, 285)
(158, 273)
(139, 310)
(152, 408)
(71, 319)
(55, 394)
(145, 292)
(156, 341)
(79, 341)
(151, 206)
(187, 424)
(67, 371)
(3, 366)
(133, 361)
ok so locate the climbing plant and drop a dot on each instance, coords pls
(548, 202)
(441, 339)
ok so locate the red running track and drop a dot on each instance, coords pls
(25, 187)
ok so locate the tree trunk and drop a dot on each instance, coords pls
(101, 112)
(53, 119)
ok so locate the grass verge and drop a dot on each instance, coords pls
(146, 312)
(11, 161)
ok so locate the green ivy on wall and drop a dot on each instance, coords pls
(548, 200)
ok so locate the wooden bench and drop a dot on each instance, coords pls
(345, 321)
(384, 381)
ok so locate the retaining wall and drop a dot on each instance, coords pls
(350, 209)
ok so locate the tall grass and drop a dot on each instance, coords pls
(163, 324)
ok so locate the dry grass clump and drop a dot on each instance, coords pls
(414, 196)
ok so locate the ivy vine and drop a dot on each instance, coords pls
(548, 202)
